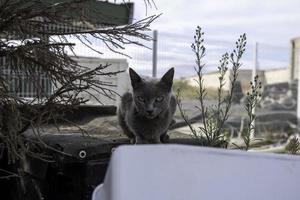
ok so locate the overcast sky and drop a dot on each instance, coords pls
(271, 23)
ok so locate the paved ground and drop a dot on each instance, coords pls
(107, 126)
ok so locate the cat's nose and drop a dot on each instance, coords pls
(149, 112)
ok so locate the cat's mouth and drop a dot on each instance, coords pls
(150, 116)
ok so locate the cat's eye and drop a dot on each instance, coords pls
(140, 98)
(159, 99)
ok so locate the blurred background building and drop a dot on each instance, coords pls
(106, 15)
(118, 83)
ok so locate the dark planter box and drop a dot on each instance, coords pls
(73, 174)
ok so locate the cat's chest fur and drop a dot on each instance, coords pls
(148, 127)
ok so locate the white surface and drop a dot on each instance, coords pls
(177, 172)
(98, 192)
(120, 81)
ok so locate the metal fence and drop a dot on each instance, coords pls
(173, 50)
(21, 84)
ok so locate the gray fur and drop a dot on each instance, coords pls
(146, 114)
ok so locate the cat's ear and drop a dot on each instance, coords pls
(167, 78)
(135, 78)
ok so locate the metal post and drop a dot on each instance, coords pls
(255, 62)
(296, 67)
(298, 97)
(255, 65)
(292, 60)
(154, 54)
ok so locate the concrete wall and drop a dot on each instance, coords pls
(211, 80)
(277, 75)
(120, 81)
(270, 76)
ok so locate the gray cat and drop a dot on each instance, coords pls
(146, 114)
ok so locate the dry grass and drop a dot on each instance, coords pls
(190, 92)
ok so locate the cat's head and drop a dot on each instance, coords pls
(151, 96)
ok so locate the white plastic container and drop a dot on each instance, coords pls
(178, 172)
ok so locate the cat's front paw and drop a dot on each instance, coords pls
(156, 140)
(132, 140)
(139, 140)
(164, 138)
